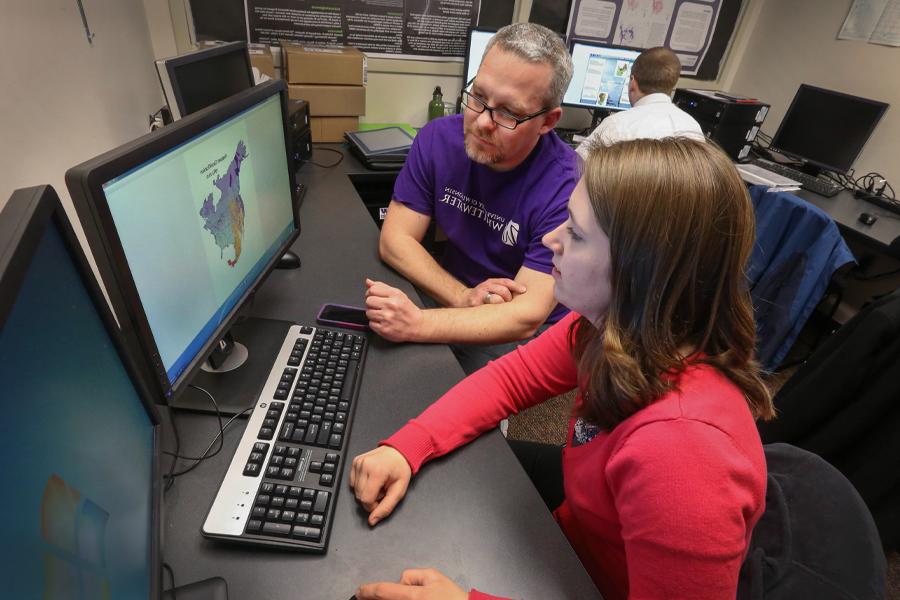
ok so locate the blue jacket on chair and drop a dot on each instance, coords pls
(798, 248)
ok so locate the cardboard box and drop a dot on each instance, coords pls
(338, 65)
(261, 58)
(331, 129)
(331, 100)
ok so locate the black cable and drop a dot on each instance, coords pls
(170, 480)
(206, 453)
(332, 165)
(172, 474)
(171, 573)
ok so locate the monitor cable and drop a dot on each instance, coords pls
(209, 452)
(332, 165)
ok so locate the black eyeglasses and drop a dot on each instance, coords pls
(498, 116)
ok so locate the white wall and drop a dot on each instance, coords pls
(65, 100)
(794, 42)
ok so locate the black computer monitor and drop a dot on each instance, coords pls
(186, 222)
(79, 452)
(199, 79)
(600, 77)
(826, 129)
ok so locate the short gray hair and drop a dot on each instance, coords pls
(537, 44)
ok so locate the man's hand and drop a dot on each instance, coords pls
(415, 584)
(496, 290)
(391, 313)
(379, 479)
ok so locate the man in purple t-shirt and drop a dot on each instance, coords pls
(495, 179)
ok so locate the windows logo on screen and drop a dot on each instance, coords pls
(74, 529)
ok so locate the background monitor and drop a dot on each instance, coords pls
(79, 452)
(187, 221)
(478, 41)
(199, 79)
(600, 77)
(827, 129)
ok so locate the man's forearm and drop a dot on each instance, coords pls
(413, 261)
(486, 324)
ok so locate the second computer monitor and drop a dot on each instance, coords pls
(600, 77)
(827, 129)
(198, 79)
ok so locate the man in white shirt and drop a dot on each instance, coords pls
(652, 115)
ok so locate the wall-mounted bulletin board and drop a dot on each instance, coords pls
(697, 30)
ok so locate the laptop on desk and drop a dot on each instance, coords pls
(80, 450)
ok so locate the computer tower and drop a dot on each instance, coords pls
(731, 120)
(301, 134)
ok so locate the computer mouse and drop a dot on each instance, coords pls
(867, 218)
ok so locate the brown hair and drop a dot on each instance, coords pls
(681, 228)
(656, 71)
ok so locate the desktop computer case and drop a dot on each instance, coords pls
(731, 120)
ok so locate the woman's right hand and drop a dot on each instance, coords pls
(379, 479)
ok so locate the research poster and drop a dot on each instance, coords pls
(396, 28)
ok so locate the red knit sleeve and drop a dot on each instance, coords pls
(476, 595)
(687, 499)
(528, 375)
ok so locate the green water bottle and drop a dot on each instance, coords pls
(436, 106)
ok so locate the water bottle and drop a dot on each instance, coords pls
(436, 106)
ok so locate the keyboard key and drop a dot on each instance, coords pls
(280, 529)
(327, 479)
(317, 520)
(254, 525)
(321, 502)
(307, 533)
(251, 469)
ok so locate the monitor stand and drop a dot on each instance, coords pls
(236, 383)
(810, 169)
(597, 115)
(288, 260)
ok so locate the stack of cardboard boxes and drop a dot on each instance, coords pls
(332, 81)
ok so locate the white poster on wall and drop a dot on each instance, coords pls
(873, 21)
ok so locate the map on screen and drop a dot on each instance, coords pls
(225, 219)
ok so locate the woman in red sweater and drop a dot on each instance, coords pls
(663, 473)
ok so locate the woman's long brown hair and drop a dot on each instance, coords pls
(681, 229)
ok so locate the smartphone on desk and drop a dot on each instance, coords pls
(340, 315)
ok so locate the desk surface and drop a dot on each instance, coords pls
(473, 515)
(844, 209)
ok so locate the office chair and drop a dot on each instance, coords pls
(816, 538)
(842, 404)
(797, 250)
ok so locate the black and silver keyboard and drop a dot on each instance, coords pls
(818, 185)
(281, 486)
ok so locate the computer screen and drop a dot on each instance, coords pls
(827, 129)
(478, 41)
(191, 221)
(198, 79)
(78, 452)
(600, 77)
